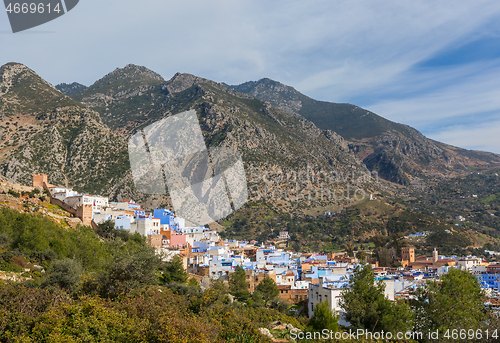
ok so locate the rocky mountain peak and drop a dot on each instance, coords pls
(281, 96)
(182, 81)
(23, 91)
(135, 72)
(123, 81)
(13, 74)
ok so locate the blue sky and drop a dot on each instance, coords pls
(432, 65)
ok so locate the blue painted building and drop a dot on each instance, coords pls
(489, 280)
(166, 217)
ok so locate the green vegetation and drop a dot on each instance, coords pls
(238, 285)
(101, 286)
(64, 274)
(324, 318)
(454, 303)
(367, 308)
(268, 289)
(71, 89)
(112, 289)
(173, 271)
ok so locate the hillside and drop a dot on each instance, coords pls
(84, 144)
(295, 170)
(44, 131)
(70, 89)
(398, 152)
(272, 142)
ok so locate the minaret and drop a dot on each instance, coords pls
(435, 255)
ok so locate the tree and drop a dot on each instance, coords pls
(367, 307)
(173, 271)
(106, 229)
(384, 257)
(361, 255)
(324, 318)
(132, 267)
(257, 299)
(267, 287)
(397, 242)
(379, 240)
(349, 248)
(64, 273)
(238, 285)
(455, 302)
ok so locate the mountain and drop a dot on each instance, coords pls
(44, 131)
(19, 83)
(271, 141)
(82, 141)
(397, 152)
(134, 97)
(71, 89)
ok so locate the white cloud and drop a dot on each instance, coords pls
(340, 47)
(473, 90)
(483, 136)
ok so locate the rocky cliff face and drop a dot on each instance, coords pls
(228, 118)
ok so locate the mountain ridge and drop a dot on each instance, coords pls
(398, 152)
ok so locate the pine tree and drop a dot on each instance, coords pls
(455, 302)
(367, 307)
(267, 287)
(324, 318)
(173, 271)
(238, 285)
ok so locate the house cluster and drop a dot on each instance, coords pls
(301, 278)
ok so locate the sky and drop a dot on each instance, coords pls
(433, 65)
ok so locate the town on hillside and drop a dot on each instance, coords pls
(304, 279)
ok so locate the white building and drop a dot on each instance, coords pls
(468, 263)
(146, 226)
(180, 222)
(97, 202)
(477, 270)
(328, 291)
(196, 233)
(283, 235)
(62, 193)
(286, 278)
(221, 267)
